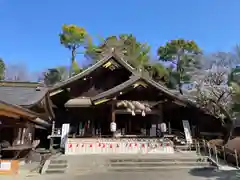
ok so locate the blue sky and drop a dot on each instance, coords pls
(29, 28)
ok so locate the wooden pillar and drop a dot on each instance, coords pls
(169, 127)
(113, 114)
(24, 132)
(17, 136)
(52, 136)
(159, 119)
(53, 127)
(27, 134)
(129, 126)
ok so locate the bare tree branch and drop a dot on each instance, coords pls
(212, 90)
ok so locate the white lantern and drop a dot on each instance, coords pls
(113, 127)
(163, 127)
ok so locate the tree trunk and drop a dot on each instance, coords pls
(228, 135)
(179, 70)
(229, 125)
(228, 120)
(73, 56)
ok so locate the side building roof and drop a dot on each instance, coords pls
(22, 93)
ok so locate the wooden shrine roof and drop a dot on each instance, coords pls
(110, 55)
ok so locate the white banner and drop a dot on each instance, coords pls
(64, 135)
(187, 131)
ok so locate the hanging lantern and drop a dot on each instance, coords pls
(113, 127)
(163, 127)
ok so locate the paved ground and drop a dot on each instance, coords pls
(170, 175)
(86, 169)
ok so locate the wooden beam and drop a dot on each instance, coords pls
(113, 112)
(101, 101)
(56, 92)
(179, 103)
(16, 111)
(9, 114)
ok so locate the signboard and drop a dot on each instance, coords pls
(187, 131)
(153, 130)
(9, 167)
(5, 166)
(64, 135)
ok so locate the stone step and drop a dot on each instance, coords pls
(182, 159)
(55, 161)
(57, 166)
(55, 171)
(159, 164)
(163, 168)
(185, 147)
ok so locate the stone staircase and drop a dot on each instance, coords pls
(126, 163)
(160, 163)
(54, 166)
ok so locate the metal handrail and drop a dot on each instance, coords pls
(219, 153)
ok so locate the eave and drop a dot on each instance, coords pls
(17, 112)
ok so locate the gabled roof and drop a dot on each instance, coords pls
(110, 55)
(134, 79)
(22, 93)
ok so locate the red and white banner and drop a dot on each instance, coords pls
(80, 146)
